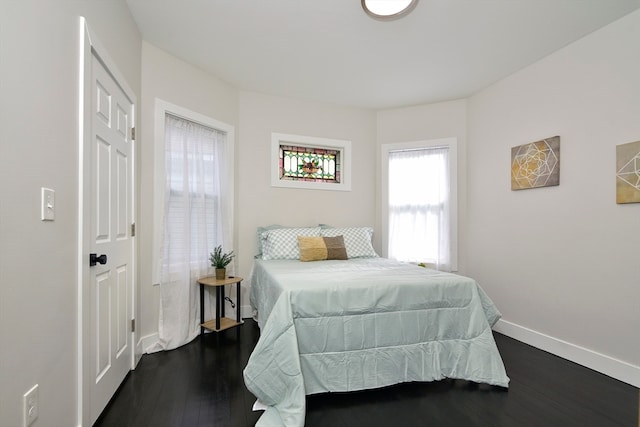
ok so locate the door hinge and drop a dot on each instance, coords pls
(133, 133)
(133, 229)
(133, 325)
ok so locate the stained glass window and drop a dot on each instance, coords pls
(309, 164)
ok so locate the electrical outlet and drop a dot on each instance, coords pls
(30, 401)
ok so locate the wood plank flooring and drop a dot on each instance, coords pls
(201, 384)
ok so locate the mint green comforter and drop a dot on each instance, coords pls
(336, 326)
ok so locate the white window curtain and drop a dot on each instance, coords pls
(194, 223)
(419, 207)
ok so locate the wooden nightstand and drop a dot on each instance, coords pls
(221, 322)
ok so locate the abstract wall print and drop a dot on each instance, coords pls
(536, 164)
(628, 173)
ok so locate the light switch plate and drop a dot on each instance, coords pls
(48, 204)
(30, 405)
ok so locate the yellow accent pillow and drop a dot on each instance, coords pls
(321, 248)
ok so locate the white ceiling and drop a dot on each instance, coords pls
(331, 51)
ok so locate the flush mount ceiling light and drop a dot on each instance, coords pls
(388, 10)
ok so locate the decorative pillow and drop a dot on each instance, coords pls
(282, 243)
(260, 241)
(321, 248)
(269, 228)
(357, 240)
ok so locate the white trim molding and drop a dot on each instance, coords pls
(148, 342)
(602, 363)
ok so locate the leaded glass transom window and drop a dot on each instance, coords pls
(309, 164)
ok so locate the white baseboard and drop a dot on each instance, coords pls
(246, 312)
(148, 341)
(139, 351)
(602, 363)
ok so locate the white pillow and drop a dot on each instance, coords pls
(282, 243)
(357, 240)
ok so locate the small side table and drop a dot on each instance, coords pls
(220, 323)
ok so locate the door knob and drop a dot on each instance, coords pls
(95, 259)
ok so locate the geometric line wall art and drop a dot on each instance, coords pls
(536, 164)
(628, 173)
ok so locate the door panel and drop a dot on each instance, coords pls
(103, 311)
(102, 171)
(111, 345)
(122, 181)
(122, 332)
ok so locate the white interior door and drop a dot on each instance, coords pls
(110, 172)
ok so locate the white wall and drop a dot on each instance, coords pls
(255, 117)
(260, 204)
(562, 263)
(39, 147)
(421, 123)
(171, 80)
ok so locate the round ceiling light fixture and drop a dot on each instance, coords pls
(388, 10)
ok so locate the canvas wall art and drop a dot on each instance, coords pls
(628, 173)
(536, 164)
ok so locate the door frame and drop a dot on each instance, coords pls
(90, 45)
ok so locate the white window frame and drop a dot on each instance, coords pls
(344, 147)
(161, 109)
(452, 144)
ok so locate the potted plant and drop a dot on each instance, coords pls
(220, 260)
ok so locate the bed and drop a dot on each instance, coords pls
(363, 322)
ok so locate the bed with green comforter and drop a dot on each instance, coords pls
(338, 326)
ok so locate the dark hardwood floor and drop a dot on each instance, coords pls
(200, 384)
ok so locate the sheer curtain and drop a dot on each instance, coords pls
(419, 206)
(194, 224)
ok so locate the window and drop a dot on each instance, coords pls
(420, 209)
(193, 221)
(193, 213)
(196, 175)
(310, 162)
